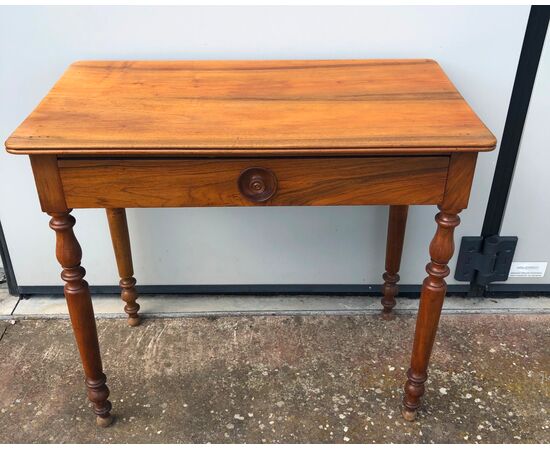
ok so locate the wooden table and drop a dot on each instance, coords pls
(137, 134)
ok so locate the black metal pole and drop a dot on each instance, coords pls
(6, 263)
(533, 42)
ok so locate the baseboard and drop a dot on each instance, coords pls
(406, 290)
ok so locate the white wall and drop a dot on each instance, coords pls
(477, 46)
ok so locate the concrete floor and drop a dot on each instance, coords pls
(110, 306)
(325, 378)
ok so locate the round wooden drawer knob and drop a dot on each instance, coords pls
(257, 184)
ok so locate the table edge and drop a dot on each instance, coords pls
(250, 152)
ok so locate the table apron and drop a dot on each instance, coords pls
(189, 182)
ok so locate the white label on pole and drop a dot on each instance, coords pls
(528, 269)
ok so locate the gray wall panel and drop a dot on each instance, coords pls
(477, 46)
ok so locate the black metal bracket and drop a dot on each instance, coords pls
(485, 260)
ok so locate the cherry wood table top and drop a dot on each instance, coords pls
(252, 108)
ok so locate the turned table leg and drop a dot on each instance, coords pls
(69, 255)
(118, 225)
(431, 302)
(397, 223)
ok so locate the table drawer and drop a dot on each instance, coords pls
(174, 182)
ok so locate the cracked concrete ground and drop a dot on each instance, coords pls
(279, 379)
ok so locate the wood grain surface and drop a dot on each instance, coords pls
(265, 108)
(174, 182)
